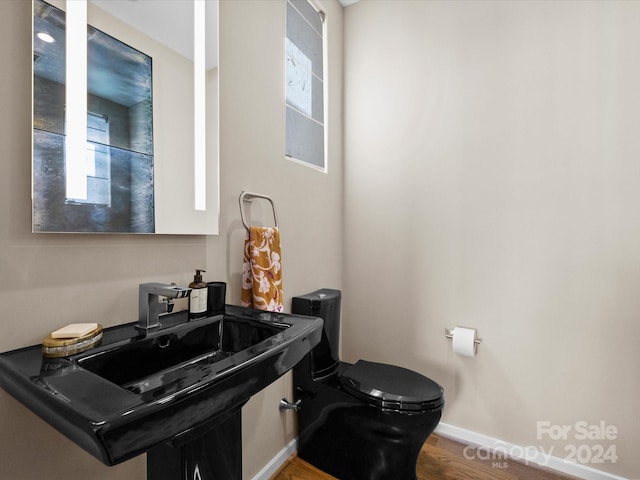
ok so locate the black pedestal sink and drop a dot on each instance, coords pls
(172, 388)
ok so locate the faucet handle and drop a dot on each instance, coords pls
(181, 292)
(150, 307)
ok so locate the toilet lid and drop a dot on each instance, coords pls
(392, 387)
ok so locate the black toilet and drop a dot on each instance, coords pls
(366, 421)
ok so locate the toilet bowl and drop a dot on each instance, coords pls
(361, 421)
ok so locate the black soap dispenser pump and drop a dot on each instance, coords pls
(198, 296)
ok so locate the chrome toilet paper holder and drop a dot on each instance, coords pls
(448, 333)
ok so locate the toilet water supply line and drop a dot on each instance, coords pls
(287, 405)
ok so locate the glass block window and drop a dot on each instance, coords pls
(305, 84)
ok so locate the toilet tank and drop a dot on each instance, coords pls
(323, 303)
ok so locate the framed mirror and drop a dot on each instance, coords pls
(139, 152)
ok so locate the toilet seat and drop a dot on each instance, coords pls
(392, 387)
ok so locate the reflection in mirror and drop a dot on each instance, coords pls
(126, 179)
(111, 188)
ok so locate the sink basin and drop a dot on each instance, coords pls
(134, 392)
(163, 362)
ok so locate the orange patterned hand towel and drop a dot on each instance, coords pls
(261, 270)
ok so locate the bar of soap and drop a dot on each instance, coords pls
(74, 330)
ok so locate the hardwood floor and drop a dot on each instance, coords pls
(442, 459)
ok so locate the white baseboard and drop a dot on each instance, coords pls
(526, 454)
(276, 462)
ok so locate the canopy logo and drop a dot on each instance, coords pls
(586, 443)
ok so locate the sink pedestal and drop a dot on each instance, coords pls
(213, 455)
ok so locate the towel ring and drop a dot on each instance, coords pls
(248, 197)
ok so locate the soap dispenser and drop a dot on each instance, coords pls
(198, 296)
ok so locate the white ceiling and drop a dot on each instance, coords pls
(346, 3)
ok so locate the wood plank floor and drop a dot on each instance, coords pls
(442, 459)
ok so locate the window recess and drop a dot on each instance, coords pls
(305, 92)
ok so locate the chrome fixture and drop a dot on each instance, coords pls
(448, 333)
(248, 197)
(149, 305)
(287, 405)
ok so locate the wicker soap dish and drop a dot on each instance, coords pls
(72, 339)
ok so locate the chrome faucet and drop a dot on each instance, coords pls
(149, 305)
